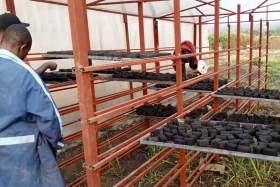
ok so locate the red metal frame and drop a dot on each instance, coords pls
(95, 162)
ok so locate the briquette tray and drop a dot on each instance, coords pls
(148, 140)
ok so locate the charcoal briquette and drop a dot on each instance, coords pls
(269, 152)
(237, 129)
(204, 132)
(224, 132)
(267, 137)
(215, 141)
(274, 145)
(202, 143)
(162, 138)
(258, 149)
(263, 143)
(190, 135)
(231, 147)
(166, 129)
(212, 132)
(244, 149)
(197, 134)
(221, 137)
(230, 136)
(205, 137)
(172, 126)
(190, 141)
(222, 144)
(174, 131)
(236, 132)
(177, 137)
(235, 141)
(245, 142)
(249, 131)
(169, 135)
(276, 138)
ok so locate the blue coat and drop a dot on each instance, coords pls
(30, 127)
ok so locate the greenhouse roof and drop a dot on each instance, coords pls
(191, 10)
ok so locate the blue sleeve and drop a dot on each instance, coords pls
(40, 104)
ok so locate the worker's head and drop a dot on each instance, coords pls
(8, 19)
(17, 39)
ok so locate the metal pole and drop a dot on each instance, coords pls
(200, 36)
(194, 34)
(127, 46)
(228, 48)
(238, 52)
(156, 42)
(216, 49)
(260, 60)
(142, 39)
(10, 4)
(177, 31)
(251, 54)
(81, 45)
(266, 57)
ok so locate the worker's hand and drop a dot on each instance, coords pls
(52, 66)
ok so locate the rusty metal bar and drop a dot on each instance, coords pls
(260, 60)
(153, 165)
(194, 34)
(202, 169)
(197, 168)
(251, 54)
(142, 38)
(94, 2)
(80, 42)
(216, 54)
(154, 158)
(242, 21)
(181, 170)
(177, 31)
(125, 2)
(209, 3)
(200, 36)
(78, 181)
(238, 51)
(10, 5)
(229, 40)
(266, 58)
(165, 15)
(156, 42)
(259, 6)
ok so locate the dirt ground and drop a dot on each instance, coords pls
(123, 167)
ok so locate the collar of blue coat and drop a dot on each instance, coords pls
(8, 55)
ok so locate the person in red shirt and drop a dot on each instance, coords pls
(8, 19)
(199, 66)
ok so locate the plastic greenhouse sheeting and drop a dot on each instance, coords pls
(160, 8)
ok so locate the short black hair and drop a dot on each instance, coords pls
(17, 35)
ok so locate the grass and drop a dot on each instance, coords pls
(251, 172)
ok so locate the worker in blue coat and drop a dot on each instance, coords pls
(30, 125)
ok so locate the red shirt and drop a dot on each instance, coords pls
(26, 62)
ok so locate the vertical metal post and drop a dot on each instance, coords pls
(216, 49)
(228, 48)
(260, 60)
(216, 58)
(156, 43)
(142, 39)
(251, 55)
(238, 53)
(266, 56)
(10, 4)
(127, 46)
(194, 34)
(177, 31)
(200, 36)
(80, 41)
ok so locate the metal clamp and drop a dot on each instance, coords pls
(88, 167)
